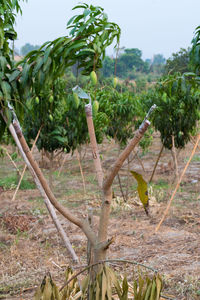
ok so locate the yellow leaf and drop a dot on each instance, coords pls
(142, 190)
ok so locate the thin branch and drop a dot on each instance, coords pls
(178, 184)
(118, 164)
(58, 153)
(62, 165)
(140, 161)
(121, 189)
(158, 158)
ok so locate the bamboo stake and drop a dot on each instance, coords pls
(24, 170)
(174, 158)
(178, 184)
(158, 158)
(93, 142)
(193, 142)
(12, 161)
(81, 170)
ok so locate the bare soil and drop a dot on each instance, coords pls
(30, 245)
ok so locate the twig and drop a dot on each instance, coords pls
(104, 261)
(62, 165)
(140, 161)
(121, 189)
(178, 184)
(159, 156)
(24, 170)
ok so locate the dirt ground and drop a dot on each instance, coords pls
(30, 245)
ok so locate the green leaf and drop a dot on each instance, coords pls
(3, 63)
(6, 89)
(25, 73)
(38, 65)
(71, 20)
(125, 289)
(14, 75)
(81, 94)
(153, 290)
(80, 6)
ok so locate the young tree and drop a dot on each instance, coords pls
(177, 99)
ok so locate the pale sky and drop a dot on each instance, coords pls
(153, 26)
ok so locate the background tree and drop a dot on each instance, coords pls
(178, 62)
(28, 48)
(108, 67)
(177, 99)
(129, 59)
(158, 63)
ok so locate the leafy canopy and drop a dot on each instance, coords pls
(195, 51)
(90, 34)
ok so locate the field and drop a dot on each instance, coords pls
(30, 245)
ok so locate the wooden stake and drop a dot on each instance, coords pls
(24, 170)
(174, 158)
(12, 161)
(178, 184)
(93, 142)
(159, 156)
(81, 170)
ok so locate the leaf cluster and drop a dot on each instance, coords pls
(40, 68)
(178, 101)
(122, 110)
(195, 51)
(106, 286)
(8, 87)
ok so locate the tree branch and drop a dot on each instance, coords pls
(123, 156)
